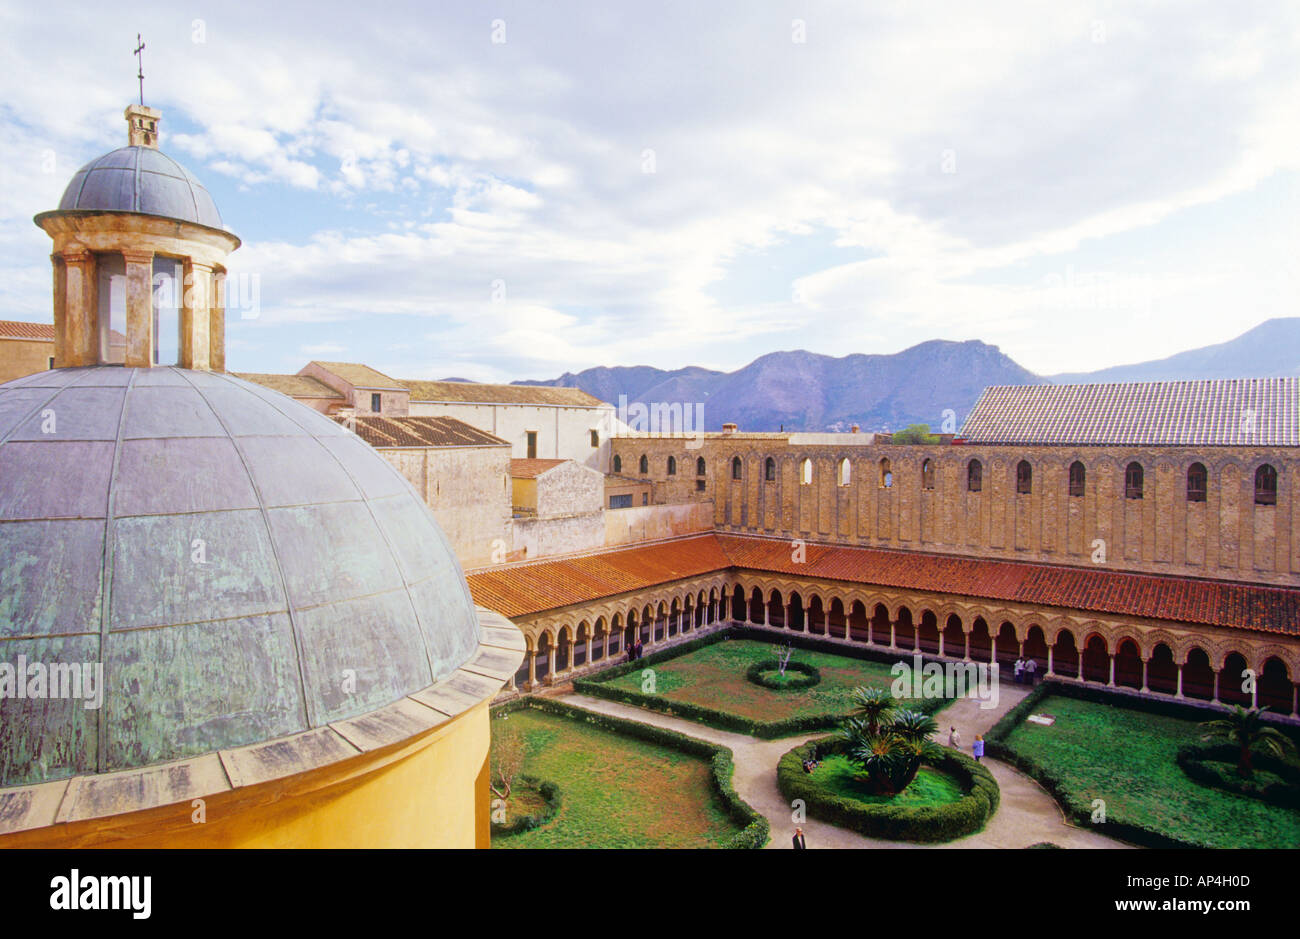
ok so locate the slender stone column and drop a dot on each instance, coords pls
(1295, 698)
(217, 322)
(139, 308)
(1111, 682)
(940, 643)
(1144, 676)
(785, 615)
(196, 345)
(550, 665)
(807, 617)
(532, 669)
(767, 613)
(965, 652)
(1214, 699)
(870, 638)
(892, 625)
(81, 308)
(1049, 662)
(993, 649)
(60, 308)
(1179, 692)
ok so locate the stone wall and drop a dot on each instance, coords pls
(468, 489)
(19, 357)
(1227, 536)
(563, 433)
(652, 522)
(546, 537)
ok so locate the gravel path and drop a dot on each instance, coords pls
(1026, 813)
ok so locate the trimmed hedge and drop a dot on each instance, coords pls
(1196, 761)
(595, 686)
(756, 673)
(550, 793)
(1077, 810)
(754, 831)
(896, 823)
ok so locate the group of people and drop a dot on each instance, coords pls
(976, 747)
(1025, 670)
(634, 651)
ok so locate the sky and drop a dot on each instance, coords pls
(501, 191)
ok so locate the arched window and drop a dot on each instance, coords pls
(618, 463)
(735, 467)
(1024, 477)
(645, 465)
(672, 466)
(974, 476)
(805, 472)
(927, 474)
(1197, 482)
(700, 467)
(1078, 479)
(886, 477)
(769, 470)
(845, 471)
(1133, 481)
(1265, 485)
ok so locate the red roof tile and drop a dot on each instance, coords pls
(525, 468)
(531, 587)
(18, 329)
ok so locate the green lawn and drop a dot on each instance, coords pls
(714, 677)
(617, 792)
(1126, 757)
(930, 787)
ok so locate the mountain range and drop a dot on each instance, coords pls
(799, 390)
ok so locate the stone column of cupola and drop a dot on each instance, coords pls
(196, 343)
(60, 307)
(217, 322)
(139, 308)
(80, 316)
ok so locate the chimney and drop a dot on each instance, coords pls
(855, 429)
(729, 428)
(142, 126)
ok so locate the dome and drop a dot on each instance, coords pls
(144, 180)
(243, 568)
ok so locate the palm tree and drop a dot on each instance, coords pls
(875, 705)
(890, 753)
(1246, 729)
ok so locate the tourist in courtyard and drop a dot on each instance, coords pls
(954, 738)
(1031, 668)
(799, 843)
(1020, 671)
(977, 748)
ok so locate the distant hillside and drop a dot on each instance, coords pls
(805, 391)
(1270, 350)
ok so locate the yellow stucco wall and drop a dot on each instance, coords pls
(435, 797)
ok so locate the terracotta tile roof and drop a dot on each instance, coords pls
(1224, 412)
(533, 587)
(295, 386)
(18, 329)
(530, 469)
(381, 431)
(477, 392)
(361, 376)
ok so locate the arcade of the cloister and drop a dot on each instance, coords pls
(1136, 656)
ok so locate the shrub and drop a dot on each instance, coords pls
(550, 794)
(758, 674)
(898, 823)
(754, 827)
(1213, 766)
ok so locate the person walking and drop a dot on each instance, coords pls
(1031, 669)
(1020, 671)
(977, 748)
(954, 738)
(799, 843)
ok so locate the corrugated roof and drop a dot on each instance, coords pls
(295, 386)
(530, 469)
(477, 392)
(17, 329)
(381, 431)
(1224, 412)
(361, 376)
(533, 587)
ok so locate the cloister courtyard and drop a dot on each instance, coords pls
(1096, 768)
